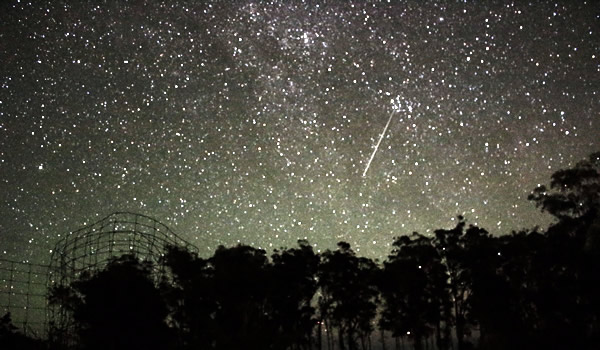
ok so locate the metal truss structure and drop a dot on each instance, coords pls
(24, 287)
(23, 294)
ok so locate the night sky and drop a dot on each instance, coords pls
(254, 122)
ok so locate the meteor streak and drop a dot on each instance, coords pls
(378, 143)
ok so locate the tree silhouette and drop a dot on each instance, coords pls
(12, 339)
(528, 289)
(568, 307)
(240, 283)
(348, 294)
(118, 307)
(293, 286)
(450, 244)
(238, 300)
(190, 296)
(520, 271)
(573, 192)
(490, 303)
(414, 289)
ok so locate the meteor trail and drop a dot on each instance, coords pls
(378, 143)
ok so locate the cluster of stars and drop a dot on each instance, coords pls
(254, 122)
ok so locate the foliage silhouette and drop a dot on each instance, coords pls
(348, 294)
(237, 299)
(573, 192)
(190, 298)
(568, 280)
(118, 308)
(489, 301)
(528, 289)
(293, 286)
(12, 339)
(414, 289)
(240, 291)
(450, 244)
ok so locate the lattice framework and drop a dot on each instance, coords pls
(24, 286)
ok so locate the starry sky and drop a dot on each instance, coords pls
(254, 122)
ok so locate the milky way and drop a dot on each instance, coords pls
(253, 122)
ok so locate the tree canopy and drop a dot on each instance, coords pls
(528, 289)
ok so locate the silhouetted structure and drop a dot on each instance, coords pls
(237, 299)
(12, 339)
(129, 282)
(90, 248)
(23, 294)
(348, 300)
(117, 308)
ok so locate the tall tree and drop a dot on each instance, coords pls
(293, 285)
(573, 192)
(451, 247)
(348, 294)
(491, 305)
(571, 257)
(514, 319)
(119, 307)
(240, 283)
(190, 296)
(414, 289)
(470, 262)
(237, 299)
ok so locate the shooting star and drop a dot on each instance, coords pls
(378, 143)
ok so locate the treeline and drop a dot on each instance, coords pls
(460, 288)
